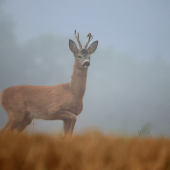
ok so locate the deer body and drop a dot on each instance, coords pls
(63, 102)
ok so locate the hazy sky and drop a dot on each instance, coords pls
(137, 27)
(128, 83)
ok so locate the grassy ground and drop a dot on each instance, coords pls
(89, 151)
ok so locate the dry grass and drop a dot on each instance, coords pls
(89, 151)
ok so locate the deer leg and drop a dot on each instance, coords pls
(67, 124)
(18, 124)
(22, 125)
(11, 125)
(7, 127)
(69, 121)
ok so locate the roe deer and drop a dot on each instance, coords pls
(60, 102)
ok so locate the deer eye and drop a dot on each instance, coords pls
(79, 57)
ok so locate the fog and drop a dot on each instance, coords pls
(125, 91)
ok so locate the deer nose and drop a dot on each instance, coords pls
(87, 63)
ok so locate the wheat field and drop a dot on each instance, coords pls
(91, 150)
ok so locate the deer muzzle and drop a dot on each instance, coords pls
(86, 63)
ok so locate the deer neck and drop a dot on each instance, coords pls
(78, 82)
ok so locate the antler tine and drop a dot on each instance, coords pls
(90, 38)
(77, 37)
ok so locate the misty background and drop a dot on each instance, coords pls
(128, 82)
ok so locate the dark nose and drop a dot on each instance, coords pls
(87, 63)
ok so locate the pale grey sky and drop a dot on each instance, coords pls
(137, 27)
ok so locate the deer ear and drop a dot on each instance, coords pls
(73, 46)
(92, 47)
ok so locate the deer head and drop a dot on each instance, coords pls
(82, 56)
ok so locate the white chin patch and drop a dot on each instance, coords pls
(85, 66)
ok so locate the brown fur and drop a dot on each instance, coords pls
(63, 102)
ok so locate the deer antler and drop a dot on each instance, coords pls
(77, 37)
(90, 38)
